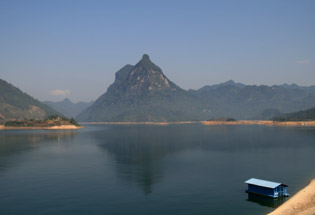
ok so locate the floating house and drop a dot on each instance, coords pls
(266, 188)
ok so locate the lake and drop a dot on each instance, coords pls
(150, 169)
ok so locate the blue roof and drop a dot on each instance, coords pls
(263, 183)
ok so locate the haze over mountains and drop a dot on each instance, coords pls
(68, 108)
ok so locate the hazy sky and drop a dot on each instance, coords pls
(52, 49)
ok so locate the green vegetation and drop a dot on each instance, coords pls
(72, 121)
(307, 115)
(53, 120)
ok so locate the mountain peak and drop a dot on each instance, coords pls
(145, 57)
(145, 78)
(66, 100)
(229, 82)
(147, 64)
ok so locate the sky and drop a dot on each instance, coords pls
(54, 49)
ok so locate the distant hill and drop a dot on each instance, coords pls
(254, 102)
(217, 86)
(15, 104)
(310, 89)
(306, 115)
(68, 108)
(143, 93)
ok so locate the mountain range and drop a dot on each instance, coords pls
(254, 102)
(15, 104)
(143, 93)
(68, 108)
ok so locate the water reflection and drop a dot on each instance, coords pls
(16, 142)
(139, 150)
(266, 201)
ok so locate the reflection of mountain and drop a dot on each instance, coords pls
(138, 151)
(16, 142)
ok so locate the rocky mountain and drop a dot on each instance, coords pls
(306, 115)
(15, 104)
(143, 93)
(68, 108)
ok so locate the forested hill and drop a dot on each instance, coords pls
(15, 104)
(306, 115)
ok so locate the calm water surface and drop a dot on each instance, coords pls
(135, 169)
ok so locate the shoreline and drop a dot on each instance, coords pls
(140, 123)
(261, 122)
(239, 122)
(62, 127)
(302, 203)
